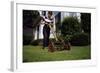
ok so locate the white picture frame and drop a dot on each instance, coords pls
(16, 48)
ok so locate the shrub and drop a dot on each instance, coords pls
(70, 25)
(86, 22)
(35, 42)
(67, 38)
(80, 39)
(27, 39)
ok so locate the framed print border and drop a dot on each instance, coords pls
(16, 36)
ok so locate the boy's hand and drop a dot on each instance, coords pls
(52, 25)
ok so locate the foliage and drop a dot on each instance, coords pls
(80, 39)
(29, 24)
(27, 39)
(67, 38)
(70, 25)
(35, 42)
(71, 30)
(29, 17)
(86, 22)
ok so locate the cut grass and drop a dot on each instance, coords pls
(37, 54)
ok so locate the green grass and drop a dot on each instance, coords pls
(36, 54)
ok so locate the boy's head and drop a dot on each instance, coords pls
(50, 14)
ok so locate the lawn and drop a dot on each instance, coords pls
(37, 54)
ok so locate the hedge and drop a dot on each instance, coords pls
(80, 39)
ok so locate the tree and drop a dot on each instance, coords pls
(86, 22)
(70, 25)
(29, 24)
